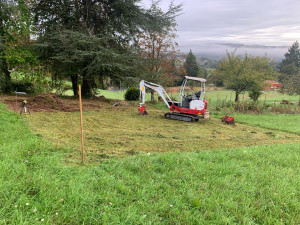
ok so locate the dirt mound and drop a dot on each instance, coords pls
(47, 102)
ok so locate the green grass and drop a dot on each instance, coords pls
(253, 185)
(119, 95)
(275, 96)
(283, 122)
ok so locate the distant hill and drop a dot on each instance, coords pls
(218, 50)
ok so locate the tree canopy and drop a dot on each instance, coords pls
(157, 48)
(96, 40)
(245, 73)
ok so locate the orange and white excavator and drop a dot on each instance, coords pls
(190, 107)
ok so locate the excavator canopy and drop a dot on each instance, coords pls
(202, 80)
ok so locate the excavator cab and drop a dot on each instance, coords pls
(194, 98)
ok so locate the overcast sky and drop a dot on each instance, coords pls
(249, 22)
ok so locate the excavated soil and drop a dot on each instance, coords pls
(49, 102)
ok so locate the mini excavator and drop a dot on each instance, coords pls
(190, 108)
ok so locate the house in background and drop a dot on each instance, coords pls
(272, 85)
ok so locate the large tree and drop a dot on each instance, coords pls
(15, 43)
(244, 73)
(290, 70)
(89, 40)
(191, 65)
(6, 9)
(157, 45)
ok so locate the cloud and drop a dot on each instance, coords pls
(266, 22)
(205, 24)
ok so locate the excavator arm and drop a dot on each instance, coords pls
(159, 89)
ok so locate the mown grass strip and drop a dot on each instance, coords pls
(255, 185)
(283, 122)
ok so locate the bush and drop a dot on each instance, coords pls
(29, 81)
(23, 87)
(254, 94)
(61, 87)
(132, 94)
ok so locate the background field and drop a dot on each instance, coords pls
(268, 96)
(212, 96)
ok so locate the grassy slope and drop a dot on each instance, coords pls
(245, 185)
(289, 123)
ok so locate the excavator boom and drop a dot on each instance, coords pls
(159, 89)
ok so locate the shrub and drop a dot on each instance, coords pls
(29, 81)
(61, 87)
(23, 87)
(254, 94)
(132, 94)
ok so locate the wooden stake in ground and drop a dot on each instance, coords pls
(265, 98)
(81, 123)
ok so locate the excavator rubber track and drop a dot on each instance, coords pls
(182, 117)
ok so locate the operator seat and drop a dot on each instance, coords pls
(198, 94)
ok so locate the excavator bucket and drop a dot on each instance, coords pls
(228, 120)
(143, 111)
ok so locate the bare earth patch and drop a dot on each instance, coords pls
(49, 102)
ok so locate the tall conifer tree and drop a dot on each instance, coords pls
(191, 65)
(290, 70)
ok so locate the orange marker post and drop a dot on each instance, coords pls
(81, 123)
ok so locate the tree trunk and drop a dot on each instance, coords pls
(237, 98)
(7, 79)
(74, 79)
(152, 95)
(7, 85)
(255, 98)
(87, 90)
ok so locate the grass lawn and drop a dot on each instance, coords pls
(246, 185)
(283, 122)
